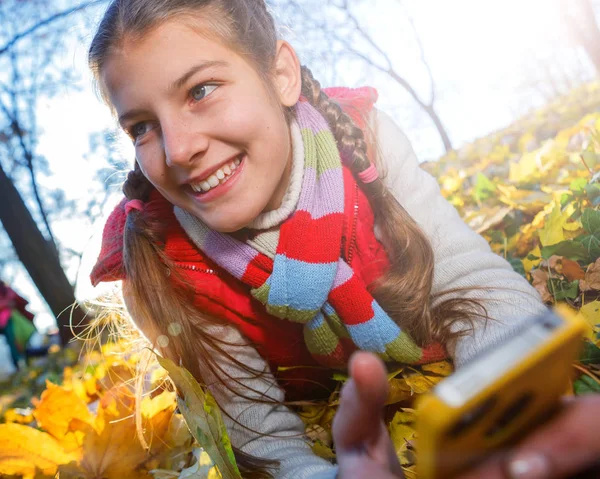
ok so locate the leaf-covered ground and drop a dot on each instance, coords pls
(532, 190)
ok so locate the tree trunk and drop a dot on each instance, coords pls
(590, 32)
(38, 257)
(583, 26)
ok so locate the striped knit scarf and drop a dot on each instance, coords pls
(307, 281)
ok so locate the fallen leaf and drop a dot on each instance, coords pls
(55, 411)
(591, 278)
(111, 448)
(554, 226)
(204, 419)
(398, 391)
(443, 368)
(590, 312)
(532, 259)
(25, 450)
(402, 432)
(420, 383)
(572, 270)
(540, 283)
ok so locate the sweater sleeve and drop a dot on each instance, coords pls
(263, 429)
(463, 258)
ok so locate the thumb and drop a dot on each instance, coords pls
(359, 417)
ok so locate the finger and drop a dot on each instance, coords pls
(359, 417)
(359, 467)
(568, 444)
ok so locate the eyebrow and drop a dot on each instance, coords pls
(195, 69)
(178, 84)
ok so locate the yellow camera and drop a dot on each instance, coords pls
(495, 399)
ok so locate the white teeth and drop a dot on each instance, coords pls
(213, 180)
(219, 176)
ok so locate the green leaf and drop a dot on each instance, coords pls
(591, 159)
(517, 265)
(203, 418)
(565, 198)
(483, 188)
(563, 289)
(593, 193)
(578, 185)
(590, 354)
(592, 247)
(569, 249)
(586, 385)
(512, 223)
(342, 378)
(590, 219)
(496, 236)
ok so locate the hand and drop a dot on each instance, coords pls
(565, 446)
(363, 446)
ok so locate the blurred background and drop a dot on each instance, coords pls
(448, 71)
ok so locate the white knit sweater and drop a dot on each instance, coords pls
(462, 259)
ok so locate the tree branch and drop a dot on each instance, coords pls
(389, 70)
(45, 22)
(28, 155)
(423, 59)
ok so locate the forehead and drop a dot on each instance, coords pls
(162, 55)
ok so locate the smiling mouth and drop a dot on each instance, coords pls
(219, 177)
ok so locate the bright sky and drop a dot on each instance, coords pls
(479, 52)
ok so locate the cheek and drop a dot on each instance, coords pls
(253, 120)
(151, 161)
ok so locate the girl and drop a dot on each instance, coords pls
(259, 232)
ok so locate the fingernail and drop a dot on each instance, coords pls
(529, 466)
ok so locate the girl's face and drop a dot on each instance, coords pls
(208, 133)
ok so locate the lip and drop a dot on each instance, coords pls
(221, 189)
(204, 175)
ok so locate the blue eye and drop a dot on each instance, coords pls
(200, 92)
(139, 129)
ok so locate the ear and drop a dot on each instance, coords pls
(288, 77)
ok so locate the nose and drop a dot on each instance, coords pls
(182, 143)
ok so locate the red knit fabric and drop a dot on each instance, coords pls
(219, 294)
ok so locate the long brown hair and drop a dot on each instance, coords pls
(406, 290)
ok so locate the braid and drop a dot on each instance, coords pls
(349, 137)
(137, 186)
(405, 291)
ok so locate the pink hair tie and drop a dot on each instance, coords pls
(134, 205)
(369, 175)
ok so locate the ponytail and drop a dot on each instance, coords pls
(155, 304)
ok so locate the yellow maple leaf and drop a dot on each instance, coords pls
(55, 411)
(590, 312)
(18, 416)
(443, 368)
(24, 451)
(556, 223)
(402, 431)
(527, 201)
(420, 383)
(398, 391)
(111, 448)
(529, 264)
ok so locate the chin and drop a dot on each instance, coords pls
(229, 226)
